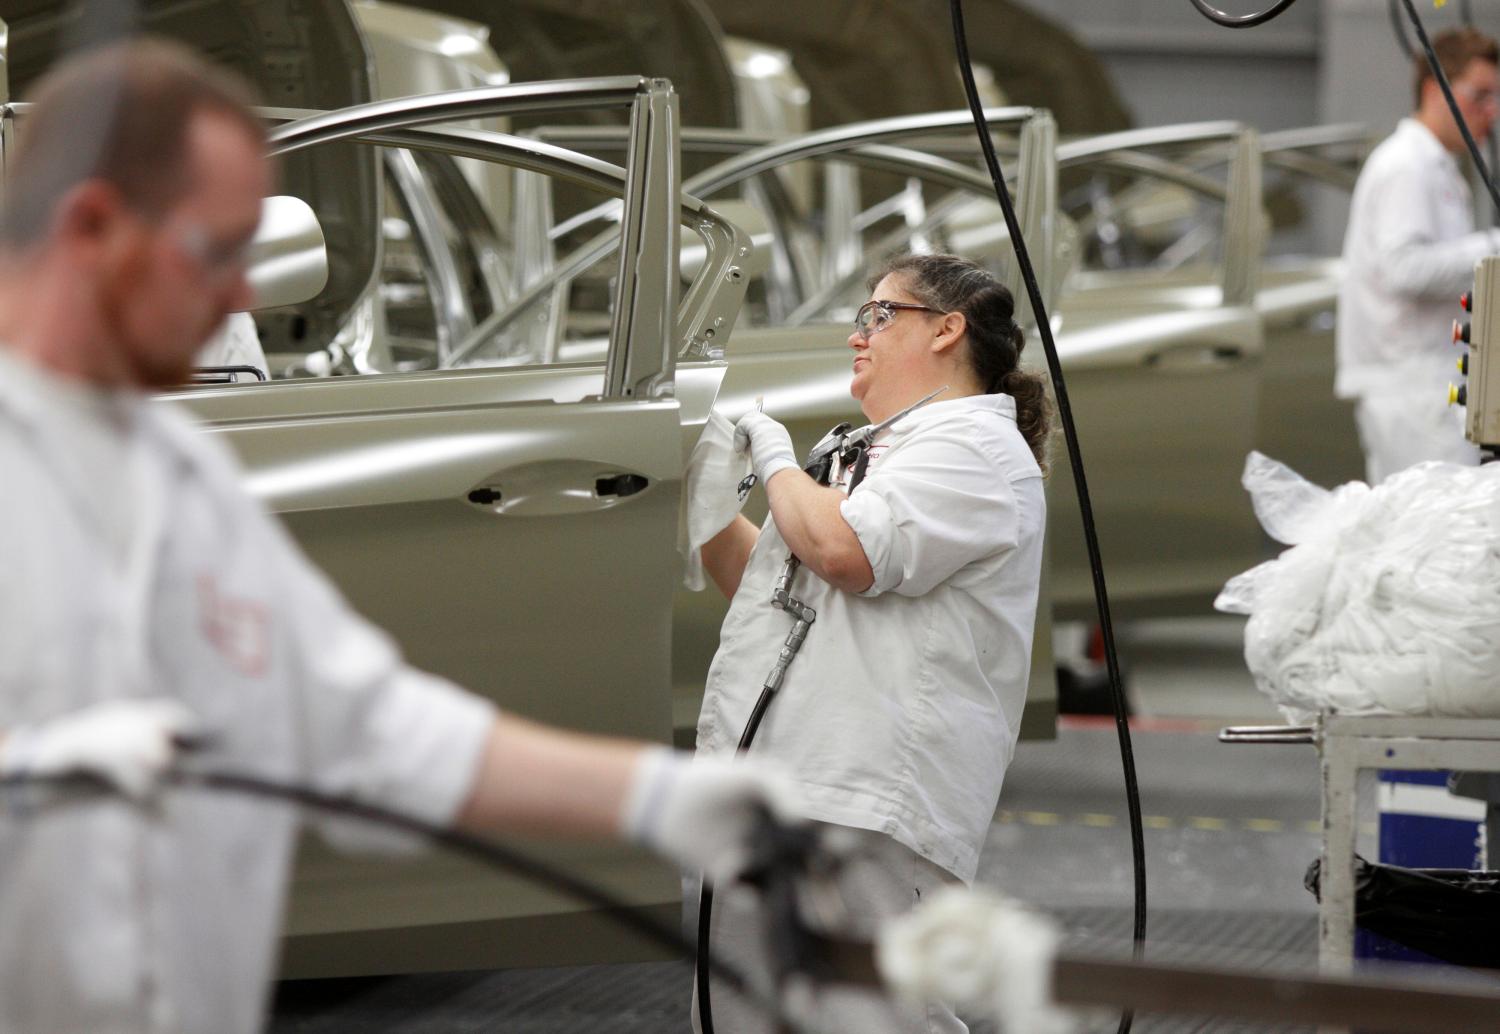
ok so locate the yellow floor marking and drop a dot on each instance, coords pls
(1265, 825)
(1040, 818)
(1102, 820)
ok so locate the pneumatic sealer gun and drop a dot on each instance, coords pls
(852, 449)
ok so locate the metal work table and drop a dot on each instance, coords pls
(1345, 746)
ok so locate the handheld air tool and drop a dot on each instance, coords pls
(852, 447)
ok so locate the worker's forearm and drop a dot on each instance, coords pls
(808, 517)
(1436, 269)
(726, 554)
(536, 780)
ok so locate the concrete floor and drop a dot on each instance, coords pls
(1230, 831)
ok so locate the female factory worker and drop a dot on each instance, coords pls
(899, 714)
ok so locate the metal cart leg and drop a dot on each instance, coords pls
(1339, 764)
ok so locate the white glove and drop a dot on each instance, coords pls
(768, 443)
(702, 813)
(127, 743)
(977, 948)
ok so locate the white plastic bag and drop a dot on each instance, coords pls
(711, 498)
(1387, 602)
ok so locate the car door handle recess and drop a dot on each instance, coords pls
(557, 487)
(620, 484)
(1195, 358)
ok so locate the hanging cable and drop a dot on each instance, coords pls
(1491, 148)
(489, 852)
(1393, 8)
(1241, 21)
(1075, 459)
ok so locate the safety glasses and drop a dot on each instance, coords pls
(873, 317)
(1477, 97)
(216, 259)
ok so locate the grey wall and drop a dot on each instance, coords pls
(1173, 65)
(1321, 61)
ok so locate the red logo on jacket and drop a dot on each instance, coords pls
(240, 629)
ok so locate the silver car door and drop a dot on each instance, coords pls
(1163, 370)
(515, 528)
(1315, 169)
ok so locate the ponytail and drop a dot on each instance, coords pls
(1033, 411)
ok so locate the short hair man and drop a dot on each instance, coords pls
(147, 598)
(1409, 253)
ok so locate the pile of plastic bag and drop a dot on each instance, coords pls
(1387, 602)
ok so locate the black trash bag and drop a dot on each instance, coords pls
(1450, 914)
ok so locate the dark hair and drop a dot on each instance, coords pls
(1454, 48)
(949, 283)
(120, 113)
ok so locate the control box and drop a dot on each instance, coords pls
(1482, 363)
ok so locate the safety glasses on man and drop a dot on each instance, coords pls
(875, 316)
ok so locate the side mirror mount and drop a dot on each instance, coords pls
(288, 257)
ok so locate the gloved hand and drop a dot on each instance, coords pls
(701, 813)
(127, 743)
(768, 443)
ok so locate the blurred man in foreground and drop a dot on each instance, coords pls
(149, 602)
(1409, 253)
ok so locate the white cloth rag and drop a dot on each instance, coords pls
(1387, 602)
(980, 949)
(712, 497)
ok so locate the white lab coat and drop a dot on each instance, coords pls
(119, 919)
(901, 711)
(1409, 253)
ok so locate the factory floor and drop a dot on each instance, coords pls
(1230, 831)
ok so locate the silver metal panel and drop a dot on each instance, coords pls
(643, 331)
(515, 99)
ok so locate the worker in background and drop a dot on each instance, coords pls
(900, 713)
(150, 603)
(1409, 253)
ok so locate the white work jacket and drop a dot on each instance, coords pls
(115, 918)
(1409, 252)
(901, 710)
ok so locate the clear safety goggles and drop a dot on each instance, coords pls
(216, 259)
(873, 317)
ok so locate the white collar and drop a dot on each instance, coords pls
(1424, 138)
(31, 391)
(30, 394)
(940, 408)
